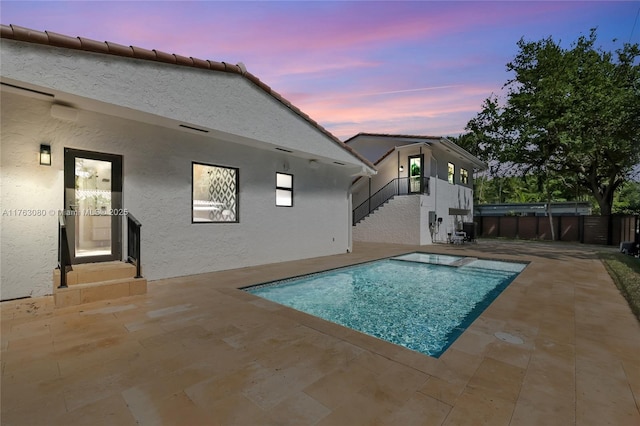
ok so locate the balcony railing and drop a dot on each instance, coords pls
(398, 186)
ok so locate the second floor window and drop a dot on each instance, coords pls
(464, 176)
(451, 172)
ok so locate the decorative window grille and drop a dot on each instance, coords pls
(215, 194)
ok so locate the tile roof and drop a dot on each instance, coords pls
(390, 135)
(15, 32)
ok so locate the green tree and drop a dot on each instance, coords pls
(569, 117)
(627, 200)
(493, 187)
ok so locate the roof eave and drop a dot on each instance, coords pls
(479, 165)
(14, 32)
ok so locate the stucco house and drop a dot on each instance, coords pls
(220, 170)
(422, 193)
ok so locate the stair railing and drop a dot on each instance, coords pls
(133, 243)
(397, 186)
(64, 254)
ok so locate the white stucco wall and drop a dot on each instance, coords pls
(440, 162)
(373, 147)
(388, 170)
(157, 190)
(398, 222)
(443, 197)
(405, 219)
(224, 102)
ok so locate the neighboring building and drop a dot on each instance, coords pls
(422, 193)
(220, 170)
(567, 208)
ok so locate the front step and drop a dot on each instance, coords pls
(92, 282)
(85, 273)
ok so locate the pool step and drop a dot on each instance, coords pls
(483, 266)
(463, 261)
(456, 263)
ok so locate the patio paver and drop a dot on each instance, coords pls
(197, 350)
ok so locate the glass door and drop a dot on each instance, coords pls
(93, 205)
(415, 174)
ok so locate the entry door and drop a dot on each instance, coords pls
(416, 173)
(93, 204)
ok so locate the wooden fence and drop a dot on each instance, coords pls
(606, 230)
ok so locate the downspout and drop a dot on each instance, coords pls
(435, 200)
(421, 173)
(435, 195)
(398, 171)
(350, 223)
(369, 195)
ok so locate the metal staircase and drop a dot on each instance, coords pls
(398, 186)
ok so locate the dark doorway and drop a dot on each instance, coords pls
(93, 205)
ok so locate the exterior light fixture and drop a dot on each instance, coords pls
(45, 155)
(401, 168)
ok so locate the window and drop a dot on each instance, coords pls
(464, 176)
(215, 194)
(451, 172)
(284, 190)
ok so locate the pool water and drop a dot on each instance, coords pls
(420, 305)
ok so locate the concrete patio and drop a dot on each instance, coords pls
(197, 351)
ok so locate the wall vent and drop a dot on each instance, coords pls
(37, 92)
(194, 128)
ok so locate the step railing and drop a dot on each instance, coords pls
(398, 186)
(133, 243)
(64, 252)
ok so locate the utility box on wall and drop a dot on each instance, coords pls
(432, 218)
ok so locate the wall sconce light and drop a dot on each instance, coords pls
(401, 168)
(45, 155)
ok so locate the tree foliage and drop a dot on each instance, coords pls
(627, 200)
(570, 117)
(517, 189)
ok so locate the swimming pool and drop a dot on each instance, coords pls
(420, 301)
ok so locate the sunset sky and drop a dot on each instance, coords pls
(410, 67)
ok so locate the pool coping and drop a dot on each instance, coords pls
(367, 341)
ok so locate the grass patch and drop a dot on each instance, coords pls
(625, 272)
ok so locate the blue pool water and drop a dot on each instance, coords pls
(418, 301)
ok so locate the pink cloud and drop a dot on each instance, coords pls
(438, 111)
(307, 67)
(401, 67)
